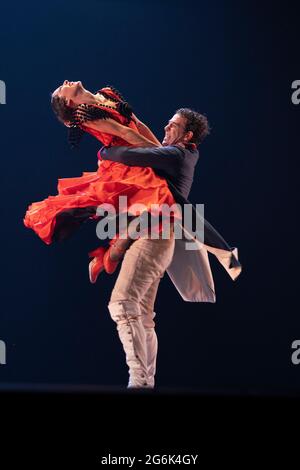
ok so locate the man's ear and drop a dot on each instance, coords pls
(188, 136)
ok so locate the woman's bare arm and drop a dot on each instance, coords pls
(145, 130)
(110, 126)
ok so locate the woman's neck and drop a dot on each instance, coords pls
(89, 98)
(98, 98)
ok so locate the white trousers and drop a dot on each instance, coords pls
(131, 305)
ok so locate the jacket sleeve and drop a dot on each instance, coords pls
(167, 158)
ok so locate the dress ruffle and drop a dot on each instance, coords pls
(140, 185)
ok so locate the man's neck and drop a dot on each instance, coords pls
(180, 144)
(187, 145)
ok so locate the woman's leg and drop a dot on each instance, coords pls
(108, 259)
(119, 246)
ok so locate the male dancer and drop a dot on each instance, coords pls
(132, 300)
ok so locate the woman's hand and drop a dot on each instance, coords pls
(137, 121)
(145, 131)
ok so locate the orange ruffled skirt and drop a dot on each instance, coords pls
(56, 217)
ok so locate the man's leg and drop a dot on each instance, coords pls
(144, 263)
(148, 314)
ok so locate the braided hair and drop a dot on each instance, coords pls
(73, 118)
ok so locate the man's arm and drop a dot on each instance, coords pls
(167, 159)
(110, 126)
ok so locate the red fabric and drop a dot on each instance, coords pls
(112, 179)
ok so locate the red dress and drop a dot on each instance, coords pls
(56, 217)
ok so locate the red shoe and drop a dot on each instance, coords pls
(109, 265)
(96, 266)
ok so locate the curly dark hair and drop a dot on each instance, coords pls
(62, 111)
(197, 123)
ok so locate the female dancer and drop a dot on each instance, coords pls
(106, 116)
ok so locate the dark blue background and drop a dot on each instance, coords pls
(233, 62)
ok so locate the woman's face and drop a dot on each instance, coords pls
(73, 92)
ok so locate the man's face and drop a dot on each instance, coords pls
(72, 91)
(175, 130)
